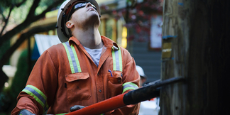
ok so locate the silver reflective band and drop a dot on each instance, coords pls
(38, 95)
(129, 86)
(72, 57)
(117, 59)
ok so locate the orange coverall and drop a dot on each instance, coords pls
(62, 89)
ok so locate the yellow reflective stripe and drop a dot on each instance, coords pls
(35, 97)
(69, 58)
(129, 86)
(39, 91)
(114, 60)
(117, 59)
(131, 83)
(76, 58)
(38, 95)
(120, 59)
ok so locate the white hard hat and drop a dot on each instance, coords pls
(62, 30)
(140, 71)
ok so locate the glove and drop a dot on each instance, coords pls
(25, 112)
(76, 107)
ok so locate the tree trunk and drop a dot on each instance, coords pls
(9, 52)
(195, 46)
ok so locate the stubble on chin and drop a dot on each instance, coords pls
(91, 21)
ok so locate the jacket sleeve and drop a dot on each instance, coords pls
(40, 88)
(130, 75)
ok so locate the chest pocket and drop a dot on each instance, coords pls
(78, 83)
(78, 87)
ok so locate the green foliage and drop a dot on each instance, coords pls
(43, 5)
(9, 95)
(21, 75)
(8, 3)
(18, 14)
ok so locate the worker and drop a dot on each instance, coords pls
(142, 75)
(148, 107)
(84, 69)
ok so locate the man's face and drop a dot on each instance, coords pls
(85, 13)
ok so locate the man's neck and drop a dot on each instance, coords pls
(89, 37)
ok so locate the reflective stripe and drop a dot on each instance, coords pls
(72, 57)
(129, 86)
(37, 95)
(76, 58)
(120, 59)
(117, 60)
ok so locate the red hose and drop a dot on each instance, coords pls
(101, 107)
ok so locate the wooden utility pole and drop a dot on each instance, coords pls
(196, 46)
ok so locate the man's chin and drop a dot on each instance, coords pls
(94, 19)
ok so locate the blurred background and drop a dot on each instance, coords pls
(167, 39)
(27, 29)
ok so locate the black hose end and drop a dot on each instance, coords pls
(141, 94)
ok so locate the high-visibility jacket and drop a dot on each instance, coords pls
(65, 75)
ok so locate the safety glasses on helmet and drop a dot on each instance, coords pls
(78, 6)
(83, 4)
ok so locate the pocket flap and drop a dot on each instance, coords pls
(117, 74)
(116, 78)
(77, 76)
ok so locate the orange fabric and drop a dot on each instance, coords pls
(77, 76)
(52, 75)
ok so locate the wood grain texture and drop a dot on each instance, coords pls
(199, 54)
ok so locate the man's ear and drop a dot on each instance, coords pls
(69, 24)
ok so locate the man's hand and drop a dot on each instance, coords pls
(76, 107)
(25, 112)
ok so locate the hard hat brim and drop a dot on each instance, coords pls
(144, 76)
(61, 35)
